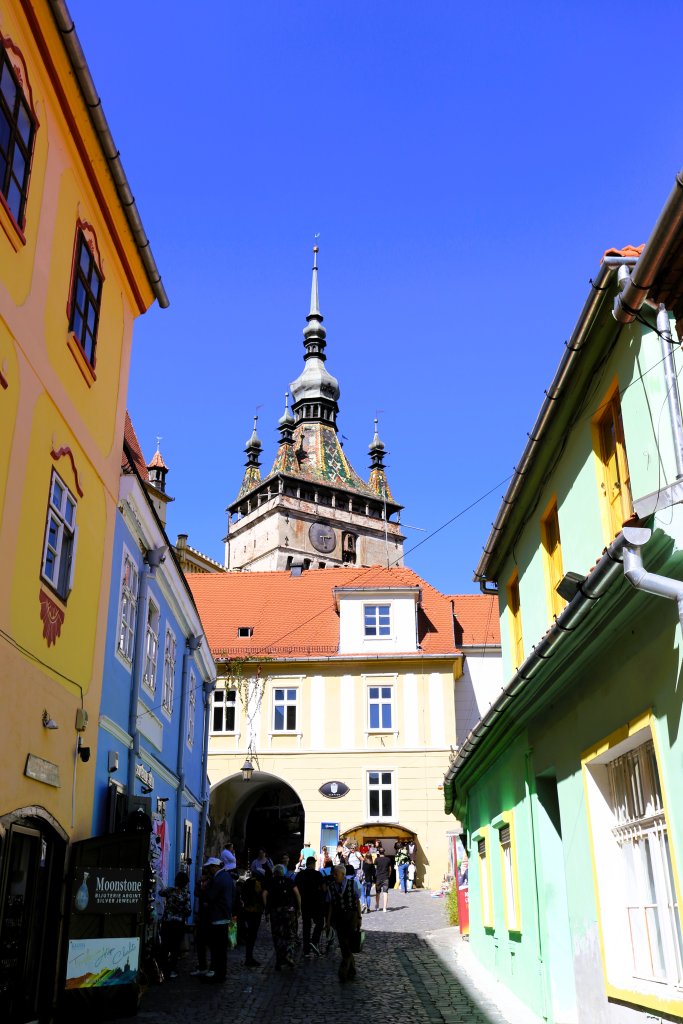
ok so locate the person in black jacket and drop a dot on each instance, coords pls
(220, 900)
(367, 881)
(312, 888)
(382, 876)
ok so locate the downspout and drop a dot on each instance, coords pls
(192, 644)
(208, 689)
(672, 395)
(640, 578)
(153, 559)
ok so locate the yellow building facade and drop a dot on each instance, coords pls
(342, 688)
(73, 278)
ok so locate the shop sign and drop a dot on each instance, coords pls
(334, 790)
(109, 890)
(94, 963)
(145, 777)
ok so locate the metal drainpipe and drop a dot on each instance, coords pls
(640, 578)
(672, 395)
(192, 644)
(153, 560)
(208, 689)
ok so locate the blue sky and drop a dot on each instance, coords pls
(465, 165)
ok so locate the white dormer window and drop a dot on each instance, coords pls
(377, 620)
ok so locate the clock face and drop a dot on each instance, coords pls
(322, 538)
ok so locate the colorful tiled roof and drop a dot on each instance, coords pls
(296, 616)
(476, 620)
(318, 457)
(131, 442)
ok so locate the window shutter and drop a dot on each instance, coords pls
(505, 835)
(481, 847)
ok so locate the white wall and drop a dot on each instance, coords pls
(352, 639)
(476, 690)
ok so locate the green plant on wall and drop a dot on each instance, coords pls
(452, 904)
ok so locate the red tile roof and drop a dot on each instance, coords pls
(157, 461)
(476, 620)
(296, 616)
(130, 441)
(629, 251)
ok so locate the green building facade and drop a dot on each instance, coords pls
(569, 788)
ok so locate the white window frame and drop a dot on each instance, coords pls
(381, 786)
(151, 654)
(59, 544)
(286, 702)
(223, 704)
(505, 826)
(128, 599)
(168, 690)
(634, 860)
(191, 708)
(482, 840)
(373, 614)
(381, 701)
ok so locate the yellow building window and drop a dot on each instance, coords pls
(614, 478)
(515, 611)
(550, 536)
(481, 839)
(504, 823)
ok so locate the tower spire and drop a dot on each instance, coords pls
(315, 391)
(315, 306)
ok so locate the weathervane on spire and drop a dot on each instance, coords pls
(159, 440)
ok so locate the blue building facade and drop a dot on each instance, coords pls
(158, 680)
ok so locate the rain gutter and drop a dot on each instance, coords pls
(593, 587)
(572, 352)
(67, 29)
(668, 227)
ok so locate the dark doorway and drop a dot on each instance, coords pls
(275, 822)
(265, 814)
(32, 863)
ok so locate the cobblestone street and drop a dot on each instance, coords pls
(408, 973)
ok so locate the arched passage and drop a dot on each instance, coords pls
(264, 813)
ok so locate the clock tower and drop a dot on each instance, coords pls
(312, 510)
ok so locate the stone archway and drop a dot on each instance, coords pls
(262, 813)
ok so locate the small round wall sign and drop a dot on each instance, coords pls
(334, 790)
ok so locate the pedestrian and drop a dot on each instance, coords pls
(251, 894)
(177, 909)
(312, 889)
(327, 865)
(382, 875)
(220, 900)
(412, 871)
(355, 860)
(283, 903)
(402, 862)
(346, 918)
(339, 857)
(289, 872)
(262, 865)
(228, 857)
(367, 881)
(306, 852)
